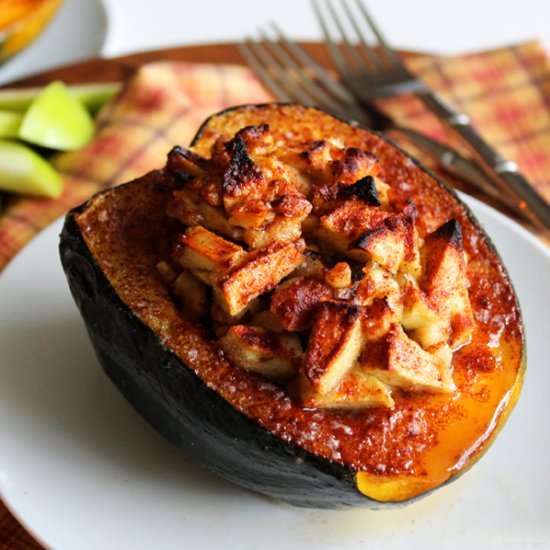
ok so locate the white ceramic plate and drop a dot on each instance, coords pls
(82, 470)
(75, 33)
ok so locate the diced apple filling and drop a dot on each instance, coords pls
(182, 161)
(166, 272)
(377, 319)
(281, 228)
(189, 208)
(295, 301)
(378, 282)
(259, 272)
(191, 294)
(204, 251)
(237, 277)
(445, 284)
(352, 164)
(392, 244)
(301, 242)
(266, 319)
(401, 363)
(276, 356)
(356, 390)
(334, 344)
(383, 190)
(348, 222)
(417, 311)
(339, 276)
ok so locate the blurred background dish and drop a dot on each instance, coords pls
(59, 32)
(21, 21)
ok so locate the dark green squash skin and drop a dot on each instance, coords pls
(178, 404)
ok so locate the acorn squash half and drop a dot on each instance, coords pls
(249, 431)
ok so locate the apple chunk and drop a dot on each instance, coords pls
(334, 344)
(255, 349)
(348, 222)
(258, 272)
(356, 390)
(446, 287)
(204, 251)
(392, 244)
(191, 295)
(294, 302)
(57, 120)
(401, 363)
(417, 311)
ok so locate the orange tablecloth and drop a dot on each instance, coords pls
(505, 91)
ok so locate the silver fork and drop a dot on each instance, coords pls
(372, 70)
(292, 75)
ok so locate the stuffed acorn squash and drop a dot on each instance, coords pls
(301, 307)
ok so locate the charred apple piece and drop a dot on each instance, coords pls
(259, 272)
(183, 161)
(446, 287)
(363, 190)
(294, 303)
(334, 345)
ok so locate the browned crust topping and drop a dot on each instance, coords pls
(269, 200)
(353, 164)
(363, 190)
(295, 302)
(242, 175)
(449, 232)
(334, 344)
(185, 162)
(260, 273)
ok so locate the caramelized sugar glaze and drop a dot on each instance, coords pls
(423, 439)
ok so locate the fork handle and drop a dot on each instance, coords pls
(504, 171)
(457, 165)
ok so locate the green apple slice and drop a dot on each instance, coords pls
(10, 123)
(24, 171)
(92, 96)
(57, 120)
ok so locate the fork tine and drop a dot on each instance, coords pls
(269, 65)
(336, 54)
(292, 91)
(347, 105)
(390, 54)
(370, 51)
(246, 49)
(314, 91)
(321, 73)
(349, 47)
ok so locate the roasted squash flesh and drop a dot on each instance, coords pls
(411, 433)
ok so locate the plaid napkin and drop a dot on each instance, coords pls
(505, 91)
